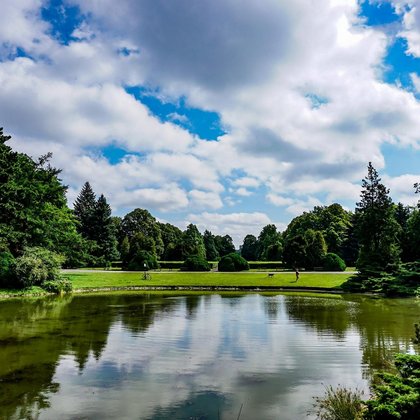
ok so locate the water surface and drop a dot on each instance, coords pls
(209, 356)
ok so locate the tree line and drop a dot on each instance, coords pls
(378, 238)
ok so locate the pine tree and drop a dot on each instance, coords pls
(84, 210)
(376, 227)
(104, 230)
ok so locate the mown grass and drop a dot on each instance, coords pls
(183, 279)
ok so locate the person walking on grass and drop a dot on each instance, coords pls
(297, 274)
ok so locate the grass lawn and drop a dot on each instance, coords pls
(121, 279)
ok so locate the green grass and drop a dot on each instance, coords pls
(30, 291)
(174, 279)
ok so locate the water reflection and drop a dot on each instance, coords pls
(156, 356)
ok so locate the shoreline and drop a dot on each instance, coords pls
(80, 291)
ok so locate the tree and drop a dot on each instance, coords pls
(316, 249)
(141, 221)
(249, 249)
(412, 240)
(84, 210)
(33, 205)
(105, 234)
(268, 237)
(402, 215)
(210, 245)
(192, 242)
(172, 240)
(224, 244)
(376, 227)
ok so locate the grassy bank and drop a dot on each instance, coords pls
(177, 279)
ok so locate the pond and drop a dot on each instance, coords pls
(194, 356)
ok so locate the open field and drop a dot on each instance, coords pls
(89, 280)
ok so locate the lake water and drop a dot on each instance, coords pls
(208, 356)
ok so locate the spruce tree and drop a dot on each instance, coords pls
(84, 210)
(376, 227)
(104, 230)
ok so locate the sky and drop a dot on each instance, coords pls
(229, 114)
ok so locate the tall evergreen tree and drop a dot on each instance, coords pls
(376, 227)
(84, 210)
(104, 227)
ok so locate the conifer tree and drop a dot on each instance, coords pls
(376, 227)
(104, 230)
(84, 210)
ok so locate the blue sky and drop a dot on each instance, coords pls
(229, 115)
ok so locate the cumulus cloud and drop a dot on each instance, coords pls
(297, 85)
(233, 224)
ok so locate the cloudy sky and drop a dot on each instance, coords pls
(230, 114)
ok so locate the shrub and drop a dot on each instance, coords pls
(36, 266)
(233, 262)
(332, 262)
(143, 260)
(58, 286)
(7, 262)
(397, 396)
(339, 404)
(196, 263)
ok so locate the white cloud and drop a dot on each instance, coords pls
(237, 225)
(253, 65)
(416, 81)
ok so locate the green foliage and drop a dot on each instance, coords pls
(143, 261)
(397, 396)
(224, 245)
(249, 248)
(268, 238)
(316, 249)
(7, 262)
(58, 286)
(332, 221)
(172, 241)
(196, 263)
(339, 404)
(192, 242)
(84, 209)
(141, 221)
(305, 250)
(211, 251)
(412, 239)
(405, 282)
(332, 262)
(376, 227)
(233, 262)
(36, 266)
(105, 233)
(33, 206)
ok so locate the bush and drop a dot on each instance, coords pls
(332, 262)
(58, 286)
(339, 404)
(233, 262)
(7, 262)
(196, 263)
(142, 261)
(36, 266)
(397, 396)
